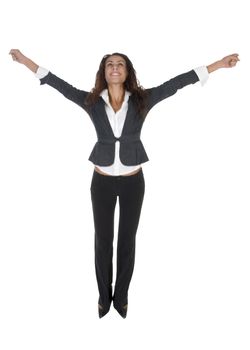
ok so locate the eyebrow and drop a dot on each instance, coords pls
(115, 61)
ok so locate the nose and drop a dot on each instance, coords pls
(115, 67)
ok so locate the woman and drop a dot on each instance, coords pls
(117, 106)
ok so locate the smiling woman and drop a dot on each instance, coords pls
(117, 106)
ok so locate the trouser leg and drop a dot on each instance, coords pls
(103, 203)
(130, 200)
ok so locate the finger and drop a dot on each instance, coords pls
(236, 56)
(14, 57)
(233, 62)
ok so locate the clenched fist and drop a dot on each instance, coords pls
(17, 56)
(20, 58)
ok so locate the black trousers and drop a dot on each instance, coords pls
(104, 193)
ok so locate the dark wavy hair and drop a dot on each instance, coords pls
(131, 84)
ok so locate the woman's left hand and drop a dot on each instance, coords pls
(226, 62)
(230, 61)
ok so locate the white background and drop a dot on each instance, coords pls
(190, 288)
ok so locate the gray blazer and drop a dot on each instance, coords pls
(132, 151)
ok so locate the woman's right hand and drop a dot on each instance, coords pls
(20, 58)
(17, 56)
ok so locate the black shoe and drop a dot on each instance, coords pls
(102, 311)
(122, 310)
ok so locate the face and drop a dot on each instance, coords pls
(115, 70)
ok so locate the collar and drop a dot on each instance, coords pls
(104, 94)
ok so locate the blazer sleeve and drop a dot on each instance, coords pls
(170, 87)
(70, 92)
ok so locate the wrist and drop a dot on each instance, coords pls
(214, 66)
(30, 64)
(25, 60)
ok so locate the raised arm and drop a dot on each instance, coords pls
(170, 87)
(20, 58)
(70, 92)
(226, 62)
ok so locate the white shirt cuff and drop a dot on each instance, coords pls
(41, 72)
(203, 74)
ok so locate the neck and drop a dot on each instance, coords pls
(116, 96)
(116, 92)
